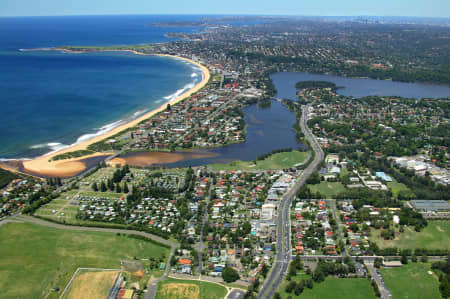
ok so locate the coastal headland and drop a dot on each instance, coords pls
(44, 166)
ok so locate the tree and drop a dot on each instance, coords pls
(103, 187)
(229, 274)
(404, 259)
(125, 188)
(264, 270)
(299, 288)
(173, 260)
(292, 270)
(414, 258)
(95, 187)
(309, 283)
(110, 185)
(378, 262)
(290, 286)
(118, 189)
(424, 258)
(277, 296)
(168, 107)
(246, 228)
(318, 275)
(444, 287)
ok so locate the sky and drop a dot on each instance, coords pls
(420, 8)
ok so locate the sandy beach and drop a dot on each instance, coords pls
(71, 167)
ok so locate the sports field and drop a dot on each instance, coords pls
(435, 236)
(91, 284)
(412, 281)
(35, 259)
(189, 289)
(275, 161)
(328, 189)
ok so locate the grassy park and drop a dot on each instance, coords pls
(328, 189)
(275, 161)
(411, 281)
(435, 236)
(36, 259)
(331, 288)
(189, 289)
(396, 187)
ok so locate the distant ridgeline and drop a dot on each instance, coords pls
(315, 84)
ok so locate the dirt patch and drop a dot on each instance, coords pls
(439, 228)
(132, 266)
(139, 273)
(92, 285)
(180, 291)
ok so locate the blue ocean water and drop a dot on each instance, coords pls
(50, 99)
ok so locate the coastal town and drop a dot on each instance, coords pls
(361, 206)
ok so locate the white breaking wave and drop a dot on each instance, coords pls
(193, 75)
(57, 146)
(54, 146)
(137, 113)
(18, 159)
(102, 130)
(180, 91)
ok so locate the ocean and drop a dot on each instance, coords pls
(50, 99)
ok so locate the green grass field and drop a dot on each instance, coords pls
(411, 281)
(396, 187)
(332, 288)
(275, 161)
(171, 288)
(435, 236)
(33, 258)
(328, 189)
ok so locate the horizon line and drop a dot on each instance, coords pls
(243, 15)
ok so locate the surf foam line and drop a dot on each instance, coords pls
(179, 92)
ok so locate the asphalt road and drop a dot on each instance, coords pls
(236, 294)
(379, 280)
(333, 208)
(283, 245)
(94, 229)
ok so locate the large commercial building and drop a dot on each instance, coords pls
(430, 205)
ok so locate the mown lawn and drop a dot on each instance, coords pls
(411, 281)
(33, 257)
(328, 189)
(396, 187)
(275, 161)
(332, 288)
(171, 288)
(435, 236)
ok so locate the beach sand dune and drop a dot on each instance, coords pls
(42, 166)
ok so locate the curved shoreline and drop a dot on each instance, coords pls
(70, 167)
